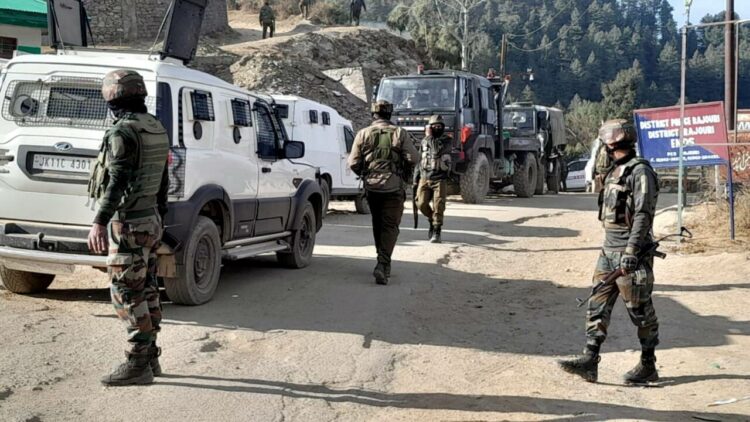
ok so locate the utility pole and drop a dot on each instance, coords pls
(503, 54)
(730, 49)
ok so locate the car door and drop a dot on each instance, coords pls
(276, 183)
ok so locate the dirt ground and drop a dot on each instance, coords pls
(468, 330)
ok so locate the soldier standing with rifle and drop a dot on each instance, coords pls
(431, 176)
(627, 206)
(383, 156)
(130, 181)
(267, 20)
(304, 8)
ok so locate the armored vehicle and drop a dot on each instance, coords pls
(484, 155)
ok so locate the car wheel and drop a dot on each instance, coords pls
(200, 273)
(24, 282)
(303, 242)
(325, 188)
(475, 183)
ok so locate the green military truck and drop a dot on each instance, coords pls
(525, 154)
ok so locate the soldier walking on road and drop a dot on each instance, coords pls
(356, 7)
(431, 176)
(304, 8)
(383, 155)
(627, 206)
(130, 182)
(267, 20)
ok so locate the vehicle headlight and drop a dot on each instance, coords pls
(23, 106)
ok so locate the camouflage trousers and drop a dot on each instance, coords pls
(635, 289)
(386, 210)
(132, 267)
(431, 198)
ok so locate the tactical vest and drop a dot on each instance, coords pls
(152, 150)
(381, 158)
(616, 199)
(431, 160)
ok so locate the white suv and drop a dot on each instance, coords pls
(234, 190)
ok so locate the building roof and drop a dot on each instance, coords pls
(30, 13)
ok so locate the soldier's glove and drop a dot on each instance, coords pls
(628, 263)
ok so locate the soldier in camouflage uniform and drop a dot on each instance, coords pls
(431, 175)
(130, 183)
(356, 7)
(627, 206)
(304, 8)
(383, 155)
(267, 20)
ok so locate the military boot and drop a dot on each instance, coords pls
(435, 238)
(585, 365)
(380, 274)
(644, 372)
(154, 352)
(388, 271)
(430, 232)
(134, 371)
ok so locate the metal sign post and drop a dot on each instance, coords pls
(681, 169)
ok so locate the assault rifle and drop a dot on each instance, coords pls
(651, 250)
(414, 191)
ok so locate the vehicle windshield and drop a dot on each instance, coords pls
(518, 119)
(419, 93)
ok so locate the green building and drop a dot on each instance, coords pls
(22, 23)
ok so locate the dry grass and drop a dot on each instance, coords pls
(709, 222)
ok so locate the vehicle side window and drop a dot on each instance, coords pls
(348, 138)
(326, 116)
(577, 166)
(266, 133)
(468, 100)
(241, 112)
(313, 116)
(203, 106)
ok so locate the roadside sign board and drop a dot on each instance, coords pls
(741, 153)
(659, 135)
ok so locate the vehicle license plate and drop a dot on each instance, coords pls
(67, 164)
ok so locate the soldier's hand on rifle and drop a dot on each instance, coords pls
(628, 263)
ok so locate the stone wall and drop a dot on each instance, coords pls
(122, 21)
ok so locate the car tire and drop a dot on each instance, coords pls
(524, 179)
(540, 173)
(24, 282)
(361, 204)
(475, 183)
(553, 180)
(202, 267)
(303, 242)
(325, 188)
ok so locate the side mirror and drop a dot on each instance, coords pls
(294, 149)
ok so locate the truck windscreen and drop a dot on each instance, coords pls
(419, 93)
(518, 119)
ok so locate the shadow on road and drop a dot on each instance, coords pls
(431, 304)
(566, 410)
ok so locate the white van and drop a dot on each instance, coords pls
(328, 139)
(235, 189)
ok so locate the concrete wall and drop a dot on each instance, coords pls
(122, 21)
(27, 37)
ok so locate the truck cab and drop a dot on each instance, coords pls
(237, 185)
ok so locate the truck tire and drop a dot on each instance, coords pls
(303, 242)
(325, 188)
(361, 204)
(24, 282)
(200, 275)
(553, 180)
(475, 183)
(524, 178)
(540, 172)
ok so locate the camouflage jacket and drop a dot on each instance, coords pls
(361, 157)
(120, 156)
(266, 15)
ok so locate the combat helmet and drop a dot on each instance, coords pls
(122, 83)
(436, 119)
(618, 133)
(382, 107)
